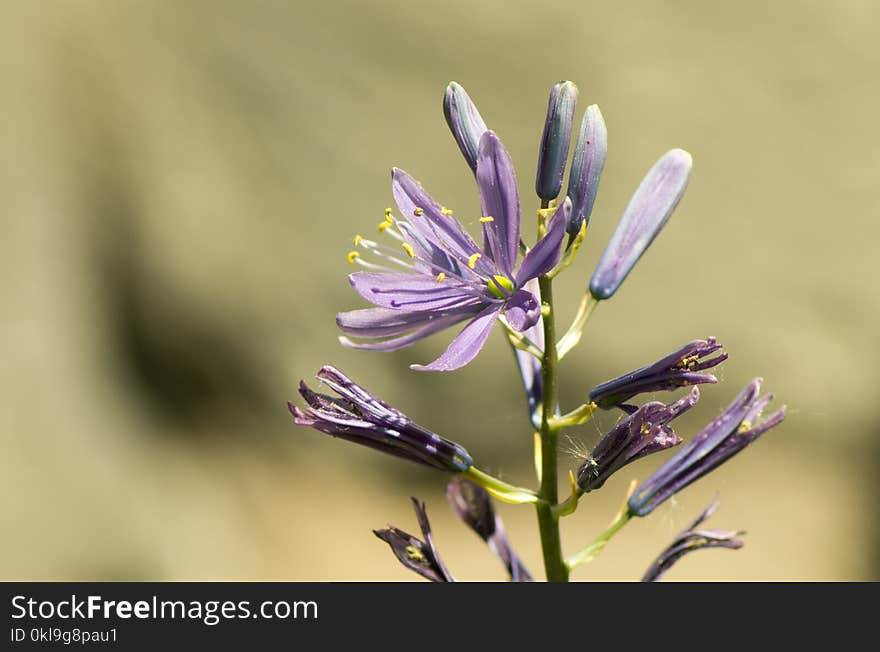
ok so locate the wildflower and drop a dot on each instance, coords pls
(678, 369)
(417, 555)
(691, 539)
(360, 417)
(644, 217)
(472, 504)
(555, 140)
(731, 431)
(641, 433)
(444, 278)
(586, 168)
(464, 121)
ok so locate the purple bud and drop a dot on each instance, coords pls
(726, 435)
(586, 167)
(419, 556)
(464, 121)
(691, 539)
(644, 217)
(554, 143)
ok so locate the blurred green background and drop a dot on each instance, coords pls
(180, 185)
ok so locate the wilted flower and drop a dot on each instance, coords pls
(691, 539)
(586, 167)
(445, 277)
(417, 555)
(360, 417)
(641, 433)
(678, 369)
(472, 504)
(555, 140)
(731, 431)
(644, 217)
(464, 121)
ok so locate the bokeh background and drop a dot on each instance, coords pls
(180, 183)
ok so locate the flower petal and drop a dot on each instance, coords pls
(546, 253)
(499, 199)
(467, 343)
(408, 338)
(411, 292)
(522, 310)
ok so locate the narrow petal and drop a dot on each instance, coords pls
(644, 217)
(586, 167)
(464, 121)
(546, 253)
(499, 199)
(411, 292)
(386, 322)
(404, 341)
(522, 310)
(426, 215)
(467, 343)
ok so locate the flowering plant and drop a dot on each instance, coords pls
(432, 275)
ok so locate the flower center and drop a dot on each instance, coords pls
(500, 286)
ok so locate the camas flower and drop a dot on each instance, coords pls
(731, 431)
(360, 417)
(441, 277)
(643, 432)
(691, 539)
(473, 505)
(678, 369)
(419, 556)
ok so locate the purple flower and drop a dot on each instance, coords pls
(641, 433)
(439, 277)
(731, 431)
(555, 141)
(472, 504)
(691, 539)
(417, 555)
(464, 121)
(586, 167)
(678, 369)
(360, 417)
(644, 217)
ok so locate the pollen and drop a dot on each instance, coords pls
(415, 554)
(407, 247)
(418, 211)
(472, 260)
(645, 429)
(440, 277)
(446, 211)
(351, 256)
(487, 219)
(744, 427)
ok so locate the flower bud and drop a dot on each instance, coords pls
(554, 143)
(464, 121)
(586, 167)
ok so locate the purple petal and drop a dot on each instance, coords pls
(499, 199)
(464, 121)
(467, 343)
(403, 341)
(410, 292)
(522, 310)
(546, 253)
(421, 210)
(644, 217)
(385, 322)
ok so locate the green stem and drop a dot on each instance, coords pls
(501, 490)
(548, 520)
(589, 553)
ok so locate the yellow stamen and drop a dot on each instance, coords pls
(487, 219)
(446, 211)
(352, 255)
(744, 427)
(440, 277)
(407, 247)
(357, 240)
(417, 211)
(384, 225)
(388, 213)
(472, 261)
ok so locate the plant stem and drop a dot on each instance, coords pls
(548, 520)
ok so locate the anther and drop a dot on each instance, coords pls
(487, 219)
(472, 260)
(417, 211)
(407, 247)
(440, 277)
(446, 211)
(352, 255)
(357, 240)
